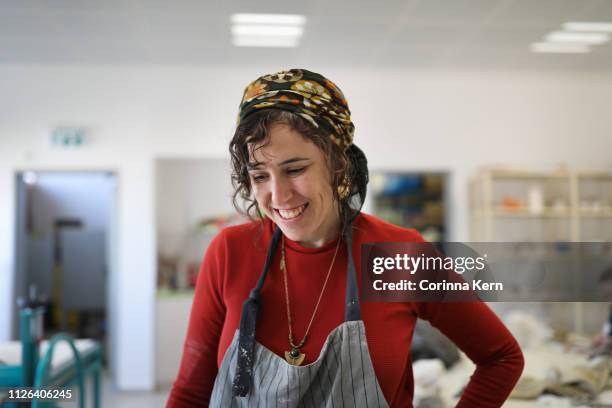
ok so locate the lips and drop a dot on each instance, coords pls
(292, 213)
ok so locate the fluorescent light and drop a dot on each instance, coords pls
(560, 48)
(244, 18)
(588, 26)
(264, 41)
(268, 30)
(579, 38)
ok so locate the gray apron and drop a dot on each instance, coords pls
(343, 376)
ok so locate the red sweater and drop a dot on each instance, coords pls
(231, 267)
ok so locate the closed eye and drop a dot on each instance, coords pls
(295, 171)
(258, 178)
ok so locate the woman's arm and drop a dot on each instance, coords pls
(196, 377)
(479, 333)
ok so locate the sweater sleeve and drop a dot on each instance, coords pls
(198, 369)
(481, 335)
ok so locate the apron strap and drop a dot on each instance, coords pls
(248, 322)
(352, 309)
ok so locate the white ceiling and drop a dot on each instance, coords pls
(417, 33)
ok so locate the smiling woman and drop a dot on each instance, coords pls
(337, 177)
(296, 333)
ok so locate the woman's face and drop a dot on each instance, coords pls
(291, 184)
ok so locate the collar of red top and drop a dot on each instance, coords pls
(296, 246)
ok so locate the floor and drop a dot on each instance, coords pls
(111, 398)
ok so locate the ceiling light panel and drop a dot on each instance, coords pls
(264, 41)
(592, 27)
(267, 30)
(560, 48)
(580, 38)
(290, 19)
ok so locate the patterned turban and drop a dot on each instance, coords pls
(307, 94)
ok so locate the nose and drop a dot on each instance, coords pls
(282, 191)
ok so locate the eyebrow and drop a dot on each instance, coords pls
(254, 165)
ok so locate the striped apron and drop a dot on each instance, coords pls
(343, 376)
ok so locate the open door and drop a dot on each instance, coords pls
(64, 248)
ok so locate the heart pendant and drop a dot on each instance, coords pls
(294, 357)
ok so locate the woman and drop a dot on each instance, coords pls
(296, 333)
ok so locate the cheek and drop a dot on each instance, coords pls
(326, 195)
(316, 186)
(259, 194)
(326, 199)
(322, 194)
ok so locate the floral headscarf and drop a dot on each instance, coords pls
(307, 94)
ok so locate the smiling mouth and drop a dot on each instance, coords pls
(292, 213)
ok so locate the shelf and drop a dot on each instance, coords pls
(522, 213)
(546, 213)
(595, 174)
(527, 174)
(414, 200)
(586, 195)
(585, 212)
(596, 214)
(174, 294)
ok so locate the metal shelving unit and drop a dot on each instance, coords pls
(564, 197)
(564, 205)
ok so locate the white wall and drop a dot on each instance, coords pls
(406, 119)
(187, 191)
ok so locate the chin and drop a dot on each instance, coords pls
(293, 235)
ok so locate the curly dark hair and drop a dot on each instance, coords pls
(350, 164)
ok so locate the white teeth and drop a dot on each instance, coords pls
(289, 214)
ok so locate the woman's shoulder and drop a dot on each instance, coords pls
(368, 228)
(242, 229)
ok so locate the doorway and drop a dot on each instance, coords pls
(63, 249)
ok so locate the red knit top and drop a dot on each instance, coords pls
(231, 267)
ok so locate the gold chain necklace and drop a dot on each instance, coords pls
(295, 357)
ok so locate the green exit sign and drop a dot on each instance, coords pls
(68, 137)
